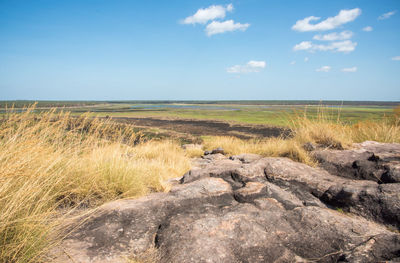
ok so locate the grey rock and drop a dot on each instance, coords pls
(218, 150)
(246, 209)
(173, 181)
(214, 157)
(373, 161)
(362, 197)
(309, 147)
(384, 150)
(246, 157)
(391, 174)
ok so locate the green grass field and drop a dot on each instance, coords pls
(268, 112)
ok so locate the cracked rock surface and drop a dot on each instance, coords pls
(252, 209)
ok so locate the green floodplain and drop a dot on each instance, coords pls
(276, 113)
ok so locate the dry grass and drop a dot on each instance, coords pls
(195, 151)
(50, 161)
(384, 131)
(329, 131)
(269, 147)
(324, 130)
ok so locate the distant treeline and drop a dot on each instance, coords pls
(264, 102)
(25, 103)
(46, 103)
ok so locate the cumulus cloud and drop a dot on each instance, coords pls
(216, 27)
(387, 15)
(334, 36)
(368, 29)
(203, 15)
(396, 58)
(251, 66)
(340, 46)
(323, 69)
(293, 62)
(344, 16)
(352, 69)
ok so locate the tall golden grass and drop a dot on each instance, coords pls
(326, 130)
(51, 163)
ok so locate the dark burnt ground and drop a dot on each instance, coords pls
(207, 127)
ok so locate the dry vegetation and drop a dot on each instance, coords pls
(52, 163)
(323, 130)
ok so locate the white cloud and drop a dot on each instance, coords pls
(256, 64)
(305, 45)
(323, 69)
(203, 15)
(397, 58)
(352, 69)
(334, 36)
(368, 29)
(251, 66)
(387, 15)
(341, 46)
(293, 62)
(343, 17)
(216, 27)
(306, 59)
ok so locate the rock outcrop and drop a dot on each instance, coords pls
(252, 209)
(369, 161)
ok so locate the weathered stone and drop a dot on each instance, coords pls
(374, 161)
(309, 147)
(218, 166)
(124, 228)
(362, 197)
(383, 150)
(218, 150)
(246, 157)
(391, 174)
(214, 157)
(250, 209)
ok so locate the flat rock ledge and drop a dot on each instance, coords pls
(247, 208)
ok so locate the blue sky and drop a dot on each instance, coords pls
(199, 50)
